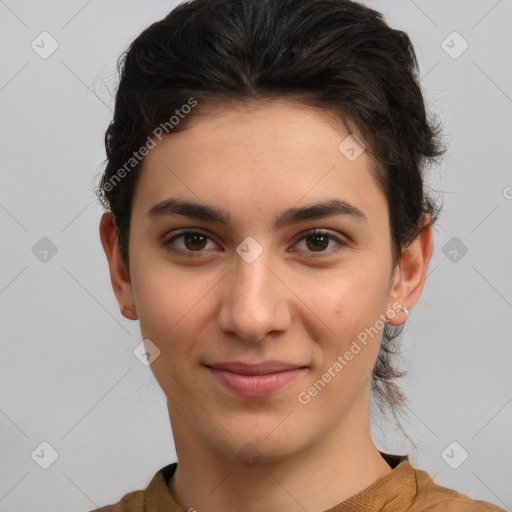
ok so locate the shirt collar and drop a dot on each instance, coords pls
(394, 491)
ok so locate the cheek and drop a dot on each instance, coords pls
(345, 357)
(170, 304)
(173, 314)
(351, 304)
(346, 299)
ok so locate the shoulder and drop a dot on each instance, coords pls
(131, 502)
(432, 497)
(156, 495)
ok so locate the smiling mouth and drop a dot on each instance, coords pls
(265, 367)
(255, 380)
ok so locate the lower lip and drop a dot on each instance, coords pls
(255, 385)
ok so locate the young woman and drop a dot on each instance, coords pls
(269, 227)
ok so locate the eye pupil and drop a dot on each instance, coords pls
(195, 241)
(320, 242)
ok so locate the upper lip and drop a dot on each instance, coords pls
(255, 369)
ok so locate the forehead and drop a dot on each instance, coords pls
(265, 156)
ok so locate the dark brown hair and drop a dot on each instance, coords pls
(334, 54)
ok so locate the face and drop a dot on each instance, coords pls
(251, 273)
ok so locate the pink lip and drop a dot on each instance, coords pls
(255, 379)
(270, 366)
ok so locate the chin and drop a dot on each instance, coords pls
(252, 448)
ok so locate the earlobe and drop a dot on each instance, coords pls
(129, 312)
(119, 277)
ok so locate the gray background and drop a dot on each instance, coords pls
(68, 374)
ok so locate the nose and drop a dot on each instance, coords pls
(254, 303)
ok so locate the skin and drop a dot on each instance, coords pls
(292, 303)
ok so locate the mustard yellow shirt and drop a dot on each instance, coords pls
(403, 489)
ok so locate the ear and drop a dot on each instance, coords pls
(121, 283)
(410, 273)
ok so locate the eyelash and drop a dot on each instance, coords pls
(194, 254)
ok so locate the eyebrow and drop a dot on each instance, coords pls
(294, 215)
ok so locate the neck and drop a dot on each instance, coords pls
(340, 464)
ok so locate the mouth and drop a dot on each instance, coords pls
(255, 379)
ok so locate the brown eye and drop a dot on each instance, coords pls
(188, 242)
(195, 241)
(319, 241)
